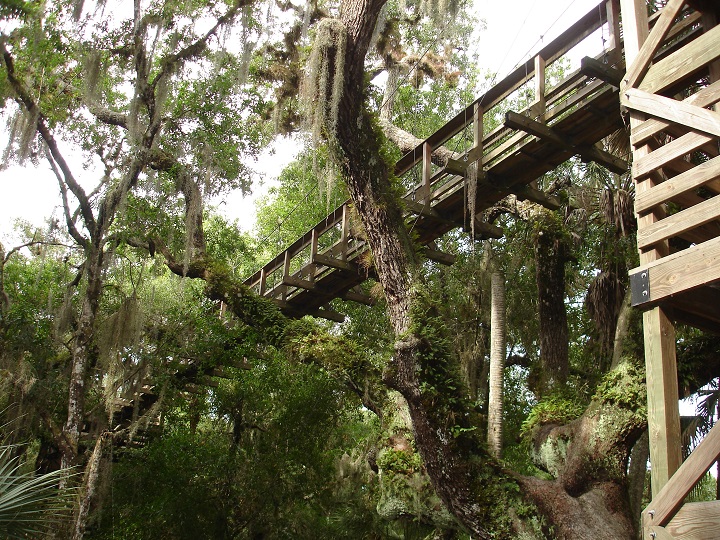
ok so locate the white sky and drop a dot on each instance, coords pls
(515, 30)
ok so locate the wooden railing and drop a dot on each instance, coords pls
(327, 261)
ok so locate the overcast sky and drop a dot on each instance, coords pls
(515, 30)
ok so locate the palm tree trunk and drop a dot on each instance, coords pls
(497, 363)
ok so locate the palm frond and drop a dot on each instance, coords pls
(30, 505)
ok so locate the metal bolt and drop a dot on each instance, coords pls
(653, 535)
(651, 513)
(643, 275)
(645, 293)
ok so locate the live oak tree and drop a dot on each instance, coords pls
(474, 487)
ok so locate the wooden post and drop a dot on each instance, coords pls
(344, 234)
(662, 389)
(613, 42)
(263, 281)
(709, 20)
(539, 105)
(286, 273)
(635, 27)
(478, 128)
(426, 173)
(659, 332)
(313, 253)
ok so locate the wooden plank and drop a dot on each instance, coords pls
(678, 112)
(519, 121)
(682, 271)
(527, 193)
(691, 58)
(658, 533)
(296, 281)
(454, 166)
(323, 313)
(678, 223)
(484, 230)
(678, 148)
(703, 98)
(447, 259)
(666, 503)
(641, 63)
(594, 68)
(360, 298)
(338, 264)
(424, 211)
(662, 390)
(670, 189)
(696, 521)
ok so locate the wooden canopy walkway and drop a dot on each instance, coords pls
(568, 119)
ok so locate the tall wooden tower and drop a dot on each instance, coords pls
(671, 92)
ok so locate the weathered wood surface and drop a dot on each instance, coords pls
(667, 502)
(662, 384)
(685, 270)
(696, 521)
(685, 62)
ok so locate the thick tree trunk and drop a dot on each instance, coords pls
(497, 363)
(551, 254)
(393, 256)
(473, 487)
(92, 474)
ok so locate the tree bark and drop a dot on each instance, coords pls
(82, 352)
(551, 254)
(497, 364)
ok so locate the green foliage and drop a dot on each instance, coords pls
(16, 9)
(30, 505)
(625, 387)
(555, 408)
(264, 462)
(704, 491)
(391, 460)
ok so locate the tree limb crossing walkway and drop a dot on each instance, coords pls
(569, 119)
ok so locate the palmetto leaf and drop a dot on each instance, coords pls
(29, 504)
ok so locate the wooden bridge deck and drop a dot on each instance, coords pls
(568, 119)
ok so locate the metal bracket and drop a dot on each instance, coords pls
(640, 287)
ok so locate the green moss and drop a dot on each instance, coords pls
(556, 408)
(625, 387)
(400, 461)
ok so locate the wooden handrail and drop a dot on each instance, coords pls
(667, 502)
